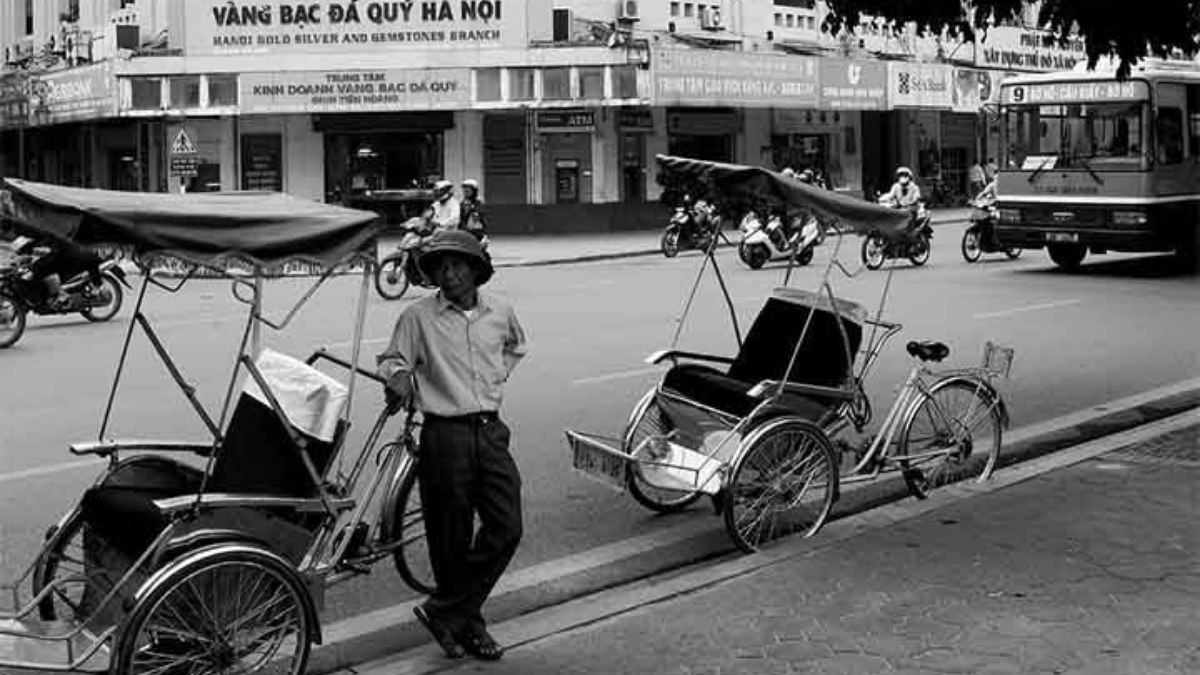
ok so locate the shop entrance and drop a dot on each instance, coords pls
(633, 168)
(389, 151)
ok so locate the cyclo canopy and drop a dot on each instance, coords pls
(264, 229)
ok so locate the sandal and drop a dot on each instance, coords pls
(480, 644)
(441, 633)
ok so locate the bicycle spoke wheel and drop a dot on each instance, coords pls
(412, 557)
(784, 485)
(229, 613)
(953, 434)
(653, 422)
(61, 565)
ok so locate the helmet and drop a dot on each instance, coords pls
(903, 171)
(442, 188)
(457, 242)
(806, 175)
(789, 172)
(471, 183)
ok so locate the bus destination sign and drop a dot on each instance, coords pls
(1075, 92)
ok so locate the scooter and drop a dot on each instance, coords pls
(914, 242)
(399, 269)
(690, 228)
(980, 237)
(761, 242)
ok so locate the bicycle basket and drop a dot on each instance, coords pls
(997, 360)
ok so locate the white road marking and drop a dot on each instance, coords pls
(1027, 308)
(621, 375)
(48, 470)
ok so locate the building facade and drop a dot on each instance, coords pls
(557, 107)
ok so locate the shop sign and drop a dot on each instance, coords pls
(279, 27)
(354, 90)
(853, 85)
(635, 119)
(81, 93)
(919, 85)
(565, 121)
(972, 88)
(743, 79)
(1016, 48)
(1076, 92)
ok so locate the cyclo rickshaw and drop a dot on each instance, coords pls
(761, 432)
(220, 562)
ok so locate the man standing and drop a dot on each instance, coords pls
(453, 352)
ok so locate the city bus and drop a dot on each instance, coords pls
(1090, 163)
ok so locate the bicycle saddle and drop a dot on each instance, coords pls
(928, 350)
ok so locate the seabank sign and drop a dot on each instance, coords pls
(229, 27)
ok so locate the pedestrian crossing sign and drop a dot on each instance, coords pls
(183, 144)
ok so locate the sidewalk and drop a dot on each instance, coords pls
(546, 249)
(1090, 567)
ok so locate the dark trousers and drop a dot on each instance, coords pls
(466, 469)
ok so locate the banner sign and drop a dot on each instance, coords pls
(919, 85)
(221, 27)
(1013, 48)
(567, 121)
(355, 90)
(853, 85)
(1050, 93)
(87, 92)
(720, 78)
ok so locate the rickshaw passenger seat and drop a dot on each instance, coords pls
(257, 456)
(765, 354)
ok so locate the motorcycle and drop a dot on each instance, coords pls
(94, 293)
(690, 228)
(761, 243)
(399, 269)
(913, 243)
(980, 237)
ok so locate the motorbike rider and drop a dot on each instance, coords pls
(471, 217)
(53, 258)
(905, 194)
(445, 213)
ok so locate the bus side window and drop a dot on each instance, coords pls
(1168, 128)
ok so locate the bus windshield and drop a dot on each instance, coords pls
(1084, 136)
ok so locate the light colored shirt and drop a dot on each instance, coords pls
(446, 215)
(460, 362)
(902, 198)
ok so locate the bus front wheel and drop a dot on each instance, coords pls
(1067, 256)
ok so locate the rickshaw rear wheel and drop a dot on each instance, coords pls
(62, 561)
(952, 435)
(412, 557)
(783, 485)
(12, 320)
(390, 279)
(221, 609)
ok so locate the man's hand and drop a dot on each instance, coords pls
(399, 392)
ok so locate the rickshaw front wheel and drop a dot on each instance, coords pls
(61, 564)
(784, 484)
(224, 608)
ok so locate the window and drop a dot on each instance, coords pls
(1168, 129)
(687, 10)
(625, 82)
(812, 23)
(1089, 136)
(185, 91)
(487, 84)
(556, 84)
(591, 82)
(146, 93)
(29, 17)
(790, 21)
(222, 90)
(778, 19)
(1193, 106)
(520, 83)
(674, 9)
(802, 4)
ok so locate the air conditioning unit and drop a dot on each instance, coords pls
(710, 19)
(628, 10)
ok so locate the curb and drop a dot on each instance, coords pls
(582, 612)
(381, 634)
